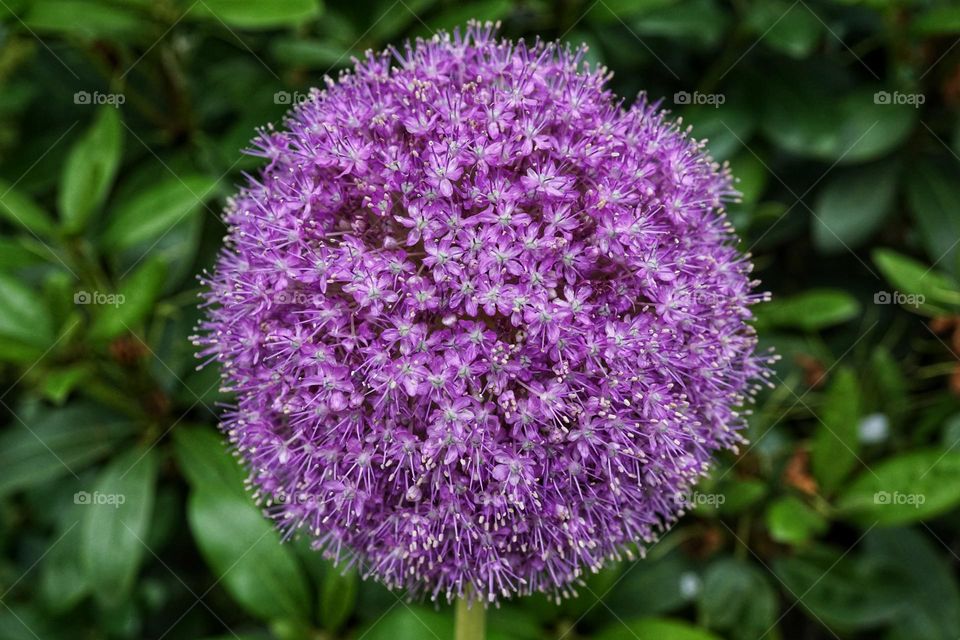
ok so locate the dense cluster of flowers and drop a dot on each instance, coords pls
(485, 326)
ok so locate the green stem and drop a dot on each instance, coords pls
(470, 620)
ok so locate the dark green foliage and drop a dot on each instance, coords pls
(123, 515)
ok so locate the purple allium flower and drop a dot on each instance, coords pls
(485, 327)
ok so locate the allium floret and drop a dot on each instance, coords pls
(485, 327)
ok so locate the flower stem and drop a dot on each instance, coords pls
(470, 620)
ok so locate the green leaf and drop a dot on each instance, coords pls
(457, 15)
(410, 623)
(611, 11)
(736, 496)
(152, 213)
(90, 169)
(938, 20)
(245, 551)
(852, 205)
(791, 521)
(699, 23)
(133, 303)
(58, 384)
(63, 582)
(657, 586)
(933, 193)
(56, 442)
(86, 19)
(23, 317)
(115, 521)
(255, 14)
(889, 381)
(727, 127)
(393, 18)
(811, 310)
(920, 570)
(835, 441)
(751, 176)
(317, 54)
(659, 628)
(205, 461)
(338, 597)
(839, 589)
(918, 286)
(737, 597)
(21, 252)
(22, 211)
(791, 29)
(807, 117)
(908, 487)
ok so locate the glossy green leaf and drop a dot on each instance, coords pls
(253, 14)
(916, 285)
(86, 19)
(790, 521)
(737, 598)
(132, 303)
(852, 206)
(90, 169)
(920, 568)
(791, 29)
(731, 497)
(151, 214)
(411, 622)
(205, 461)
(807, 118)
(811, 310)
(63, 582)
(317, 54)
(659, 628)
(700, 23)
(118, 509)
(58, 384)
(56, 443)
(835, 442)
(23, 316)
(933, 193)
(338, 597)
(909, 487)
(22, 211)
(244, 550)
(839, 589)
(938, 20)
(654, 586)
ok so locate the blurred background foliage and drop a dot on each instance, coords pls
(121, 126)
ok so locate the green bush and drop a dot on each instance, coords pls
(122, 515)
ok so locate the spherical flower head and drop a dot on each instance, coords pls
(484, 326)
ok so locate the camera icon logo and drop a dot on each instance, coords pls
(82, 497)
(82, 97)
(882, 497)
(882, 297)
(82, 297)
(881, 97)
(282, 97)
(681, 97)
